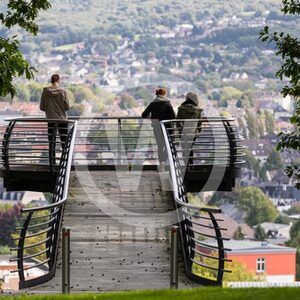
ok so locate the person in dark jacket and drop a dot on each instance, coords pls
(189, 110)
(160, 109)
(55, 104)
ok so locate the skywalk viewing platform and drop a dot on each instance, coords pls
(106, 188)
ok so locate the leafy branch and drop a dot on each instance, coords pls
(20, 13)
(288, 48)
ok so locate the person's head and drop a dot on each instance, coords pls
(193, 98)
(55, 79)
(161, 92)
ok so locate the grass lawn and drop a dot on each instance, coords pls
(191, 294)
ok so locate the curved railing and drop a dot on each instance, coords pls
(198, 143)
(37, 142)
(37, 243)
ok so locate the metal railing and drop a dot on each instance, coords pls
(41, 226)
(33, 143)
(119, 141)
(190, 143)
(102, 141)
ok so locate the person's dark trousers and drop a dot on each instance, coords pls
(161, 149)
(53, 130)
(162, 156)
(191, 159)
(188, 142)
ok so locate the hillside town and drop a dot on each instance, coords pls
(124, 81)
(184, 56)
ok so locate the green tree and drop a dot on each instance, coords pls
(252, 162)
(260, 234)
(35, 91)
(294, 210)
(238, 234)
(5, 250)
(230, 93)
(127, 101)
(23, 14)
(252, 125)
(274, 161)
(258, 207)
(223, 103)
(76, 110)
(243, 128)
(260, 127)
(246, 99)
(295, 243)
(82, 92)
(294, 234)
(283, 219)
(8, 221)
(263, 173)
(23, 92)
(288, 49)
(270, 123)
(239, 271)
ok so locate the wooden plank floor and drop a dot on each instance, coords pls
(119, 238)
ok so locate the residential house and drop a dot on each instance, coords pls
(262, 258)
(274, 231)
(11, 280)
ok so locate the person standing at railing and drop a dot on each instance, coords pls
(55, 103)
(160, 109)
(189, 110)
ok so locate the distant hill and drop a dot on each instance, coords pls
(89, 14)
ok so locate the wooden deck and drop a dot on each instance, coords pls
(119, 240)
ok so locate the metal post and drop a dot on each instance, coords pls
(66, 260)
(119, 140)
(174, 258)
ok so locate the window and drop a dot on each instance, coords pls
(261, 265)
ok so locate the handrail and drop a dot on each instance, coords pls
(45, 207)
(109, 141)
(33, 141)
(116, 141)
(38, 120)
(42, 244)
(189, 229)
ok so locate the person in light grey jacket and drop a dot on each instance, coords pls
(55, 104)
(54, 100)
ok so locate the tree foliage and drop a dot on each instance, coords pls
(23, 14)
(295, 243)
(127, 101)
(8, 219)
(239, 271)
(260, 234)
(238, 234)
(252, 124)
(270, 123)
(251, 162)
(258, 207)
(274, 161)
(288, 49)
(283, 219)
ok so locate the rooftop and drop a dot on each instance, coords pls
(253, 246)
